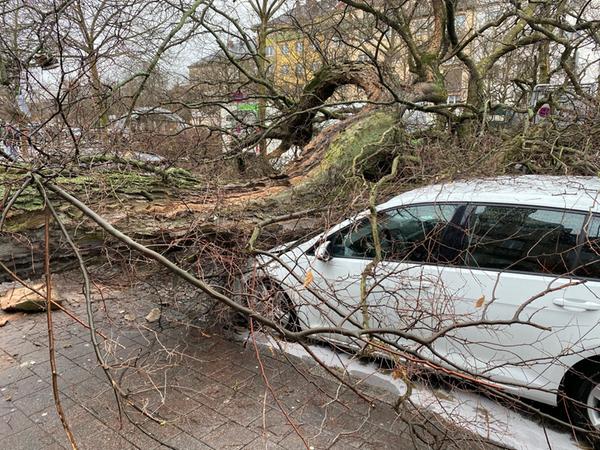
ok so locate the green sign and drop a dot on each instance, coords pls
(248, 107)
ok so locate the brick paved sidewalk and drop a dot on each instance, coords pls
(209, 391)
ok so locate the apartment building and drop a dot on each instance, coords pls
(317, 32)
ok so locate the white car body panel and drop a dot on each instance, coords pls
(572, 333)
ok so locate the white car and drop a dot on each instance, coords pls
(498, 278)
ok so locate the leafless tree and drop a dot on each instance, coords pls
(97, 77)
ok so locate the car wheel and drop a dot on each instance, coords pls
(593, 405)
(582, 400)
(270, 301)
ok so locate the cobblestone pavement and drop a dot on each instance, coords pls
(208, 391)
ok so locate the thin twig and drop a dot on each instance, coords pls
(54, 373)
(335, 375)
(270, 388)
(120, 394)
(88, 299)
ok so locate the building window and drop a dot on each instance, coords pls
(486, 16)
(460, 22)
(299, 47)
(285, 69)
(269, 50)
(453, 99)
(454, 79)
(299, 70)
(285, 49)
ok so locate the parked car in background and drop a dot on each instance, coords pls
(498, 278)
(561, 104)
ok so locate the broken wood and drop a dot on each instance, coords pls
(24, 299)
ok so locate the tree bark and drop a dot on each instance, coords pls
(297, 127)
(163, 213)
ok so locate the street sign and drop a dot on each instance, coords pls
(544, 111)
(248, 107)
(238, 96)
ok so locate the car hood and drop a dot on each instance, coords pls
(279, 249)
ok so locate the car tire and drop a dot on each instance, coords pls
(581, 402)
(273, 303)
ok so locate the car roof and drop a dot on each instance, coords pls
(568, 192)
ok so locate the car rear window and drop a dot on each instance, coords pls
(589, 258)
(527, 239)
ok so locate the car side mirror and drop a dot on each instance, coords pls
(322, 251)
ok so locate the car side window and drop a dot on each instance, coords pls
(589, 257)
(417, 233)
(355, 241)
(412, 233)
(528, 239)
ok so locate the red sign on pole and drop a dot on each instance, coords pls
(238, 96)
(544, 110)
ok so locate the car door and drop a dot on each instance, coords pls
(412, 296)
(399, 294)
(335, 281)
(520, 266)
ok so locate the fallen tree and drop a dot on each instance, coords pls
(172, 208)
(161, 212)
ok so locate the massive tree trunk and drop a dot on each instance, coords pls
(297, 127)
(171, 209)
(158, 211)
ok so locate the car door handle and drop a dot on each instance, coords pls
(574, 303)
(421, 286)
